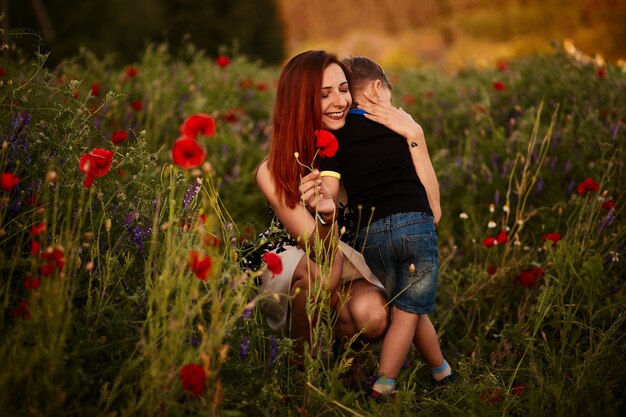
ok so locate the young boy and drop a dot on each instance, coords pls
(392, 186)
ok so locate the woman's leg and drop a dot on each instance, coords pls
(303, 278)
(363, 310)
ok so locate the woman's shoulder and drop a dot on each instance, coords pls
(262, 175)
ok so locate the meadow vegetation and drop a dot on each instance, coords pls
(123, 292)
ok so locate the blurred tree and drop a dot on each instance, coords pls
(123, 28)
(251, 26)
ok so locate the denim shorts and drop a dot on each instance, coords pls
(401, 250)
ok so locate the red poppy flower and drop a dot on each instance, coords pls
(38, 229)
(187, 153)
(193, 377)
(608, 205)
(119, 136)
(489, 242)
(501, 66)
(491, 270)
(198, 124)
(601, 72)
(47, 269)
(53, 258)
(212, 241)
(200, 265)
(499, 86)
(327, 143)
(131, 72)
(3, 72)
(230, 116)
(33, 200)
(245, 83)
(137, 105)
(261, 86)
(9, 181)
(222, 61)
(95, 89)
(554, 237)
(21, 311)
(587, 185)
(501, 238)
(527, 278)
(95, 164)
(32, 283)
(491, 397)
(518, 389)
(536, 271)
(35, 247)
(274, 263)
(409, 98)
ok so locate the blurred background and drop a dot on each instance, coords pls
(446, 34)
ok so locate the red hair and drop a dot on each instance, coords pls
(297, 114)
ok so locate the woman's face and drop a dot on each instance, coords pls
(336, 98)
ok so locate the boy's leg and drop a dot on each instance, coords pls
(395, 347)
(427, 342)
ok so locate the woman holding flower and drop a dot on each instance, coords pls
(312, 96)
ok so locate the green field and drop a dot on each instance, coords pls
(102, 302)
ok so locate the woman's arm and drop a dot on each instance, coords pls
(402, 123)
(301, 221)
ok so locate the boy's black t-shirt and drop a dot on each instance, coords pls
(376, 168)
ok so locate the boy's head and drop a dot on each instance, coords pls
(367, 75)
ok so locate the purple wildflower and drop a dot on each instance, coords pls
(571, 187)
(273, 352)
(610, 218)
(245, 344)
(137, 232)
(246, 313)
(553, 163)
(17, 137)
(191, 193)
(495, 162)
(566, 167)
(539, 186)
(615, 130)
(496, 198)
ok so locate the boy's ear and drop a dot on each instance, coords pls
(376, 86)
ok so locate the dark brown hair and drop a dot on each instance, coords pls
(364, 69)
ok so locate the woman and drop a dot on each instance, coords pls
(313, 94)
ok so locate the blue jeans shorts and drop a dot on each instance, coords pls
(401, 250)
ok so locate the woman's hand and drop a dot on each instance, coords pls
(394, 118)
(316, 196)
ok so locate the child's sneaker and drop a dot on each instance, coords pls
(379, 397)
(446, 380)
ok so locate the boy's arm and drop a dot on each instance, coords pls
(425, 171)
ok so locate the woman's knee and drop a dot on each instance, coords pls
(370, 313)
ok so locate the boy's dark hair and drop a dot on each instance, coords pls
(364, 69)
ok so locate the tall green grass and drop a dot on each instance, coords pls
(115, 319)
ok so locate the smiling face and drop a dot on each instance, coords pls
(336, 98)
